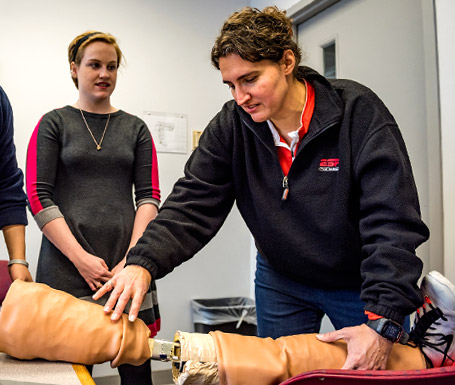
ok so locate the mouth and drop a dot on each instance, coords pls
(103, 85)
(250, 108)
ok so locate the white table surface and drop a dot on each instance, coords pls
(14, 371)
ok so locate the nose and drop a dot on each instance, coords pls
(241, 96)
(104, 73)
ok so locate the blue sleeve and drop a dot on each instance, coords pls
(12, 197)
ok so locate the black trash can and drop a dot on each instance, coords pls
(229, 315)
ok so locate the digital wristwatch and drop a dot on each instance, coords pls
(389, 329)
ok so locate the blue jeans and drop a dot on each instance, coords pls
(287, 307)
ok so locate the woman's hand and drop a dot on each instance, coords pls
(367, 350)
(18, 271)
(93, 269)
(133, 283)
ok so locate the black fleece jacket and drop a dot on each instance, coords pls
(351, 218)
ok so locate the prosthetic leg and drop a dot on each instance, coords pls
(39, 322)
(274, 361)
(240, 358)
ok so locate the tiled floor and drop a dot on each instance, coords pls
(160, 377)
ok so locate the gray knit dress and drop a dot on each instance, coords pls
(96, 191)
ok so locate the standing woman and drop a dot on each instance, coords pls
(320, 174)
(83, 161)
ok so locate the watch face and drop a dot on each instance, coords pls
(391, 331)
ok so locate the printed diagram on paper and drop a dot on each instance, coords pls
(169, 131)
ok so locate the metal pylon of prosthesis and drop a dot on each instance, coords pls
(164, 351)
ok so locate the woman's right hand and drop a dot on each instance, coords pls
(93, 269)
(21, 272)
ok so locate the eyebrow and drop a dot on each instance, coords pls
(99, 61)
(242, 76)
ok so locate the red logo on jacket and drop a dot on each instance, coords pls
(329, 164)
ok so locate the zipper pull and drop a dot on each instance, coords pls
(286, 188)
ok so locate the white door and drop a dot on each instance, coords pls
(389, 46)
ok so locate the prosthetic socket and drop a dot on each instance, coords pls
(39, 322)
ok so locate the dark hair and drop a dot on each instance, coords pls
(256, 35)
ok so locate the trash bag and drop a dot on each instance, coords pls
(229, 315)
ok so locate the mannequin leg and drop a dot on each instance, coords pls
(274, 361)
(37, 321)
(239, 358)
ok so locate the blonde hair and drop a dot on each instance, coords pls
(256, 35)
(79, 43)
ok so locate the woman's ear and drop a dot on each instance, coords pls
(288, 61)
(73, 69)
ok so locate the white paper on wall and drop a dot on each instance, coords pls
(169, 131)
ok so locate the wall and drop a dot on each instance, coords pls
(445, 11)
(167, 49)
(410, 99)
(281, 4)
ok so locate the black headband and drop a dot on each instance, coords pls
(79, 43)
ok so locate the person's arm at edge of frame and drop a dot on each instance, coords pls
(14, 219)
(15, 242)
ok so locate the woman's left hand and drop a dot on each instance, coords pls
(367, 350)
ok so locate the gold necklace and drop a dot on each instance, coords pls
(98, 145)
